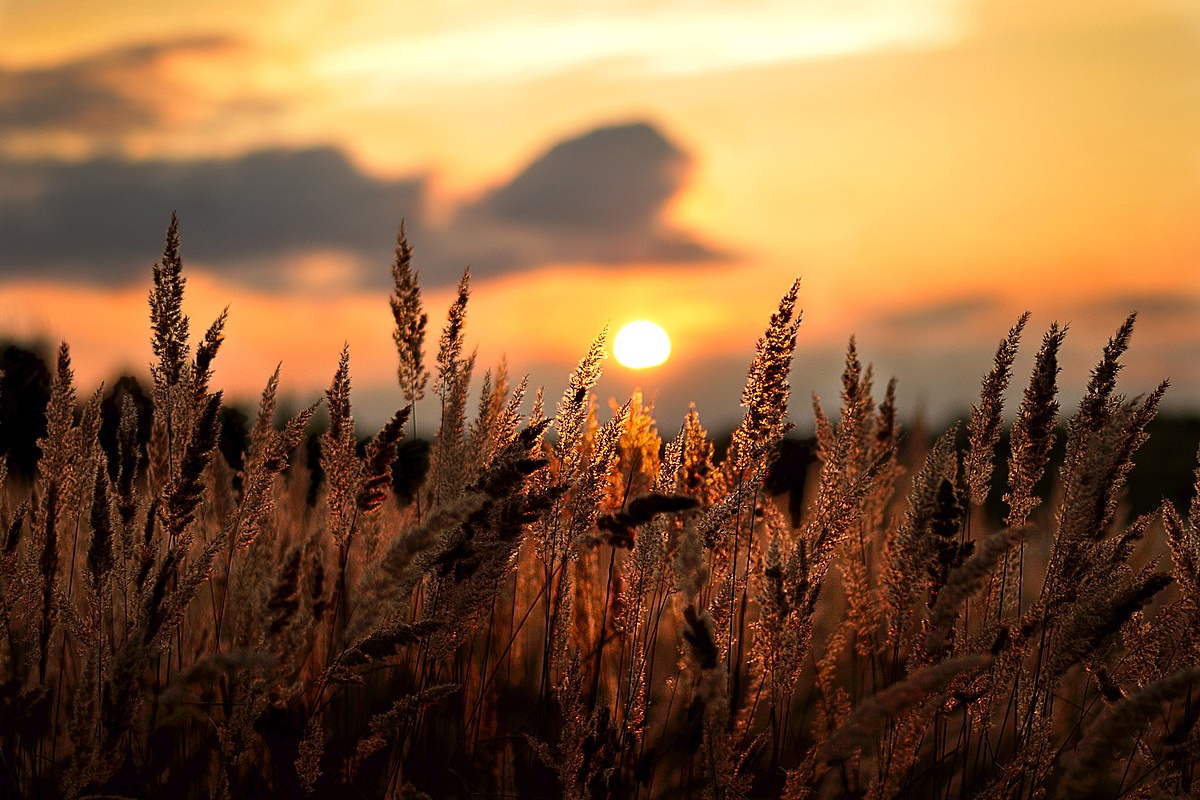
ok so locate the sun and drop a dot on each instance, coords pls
(641, 344)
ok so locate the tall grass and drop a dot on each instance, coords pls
(573, 607)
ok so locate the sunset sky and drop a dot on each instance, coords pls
(930, 168)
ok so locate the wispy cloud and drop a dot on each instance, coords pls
(675, 39)
(1162, 305)
(110, 93)
(926, 317)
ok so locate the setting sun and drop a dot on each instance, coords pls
(641, 344)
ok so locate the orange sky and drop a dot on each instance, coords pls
(930, 167)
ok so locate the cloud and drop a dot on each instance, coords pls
(955, 311)
(599, 197)
(1161, 305)
(103, 219)
(272, 217)
(111, 93)
(645, 39)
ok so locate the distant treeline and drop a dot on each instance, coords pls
(1165, 466)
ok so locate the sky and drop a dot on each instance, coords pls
(928, 168)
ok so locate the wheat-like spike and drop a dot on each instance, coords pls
(1092, 483)
(1092, 413)
(269, 452)
(59, 444)
(1184, 541)
(590, 488)
(337, 398)
(386, 641)
(409, 334)
(47, 566)
(1088, 769)
(386, 725)
(1095, 418)
(911, 549)
(13, 537)
(451, 343)
(966, 579)
(875, 712)
(698, 475)
(886, 429)
(338, 459)
(847, 449)
(312, 747)
(284, 602)
(1033, 431)
(167, 321)
(154, 614)
(449, 470)
(766, 392)
(376, 483)
(538, 412)
(570, 420)
(1099, 615)
(186, 491)
(984, 426)
(100, 549)
(206, 351)
(1139, 415)
(408, 556)
(129, 459)
(824, 430)
(507, 420)
(638, 447)
(483, 433)
(173, 609)
(260, 433)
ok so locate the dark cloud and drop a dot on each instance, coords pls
(598, 197)
(103, 219)
(114, 92)
(595, 199)
(616, 177)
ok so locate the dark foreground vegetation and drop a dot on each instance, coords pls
(548, 604)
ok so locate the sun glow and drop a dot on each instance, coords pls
(641, 344)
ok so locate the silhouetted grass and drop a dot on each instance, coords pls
(558, 603)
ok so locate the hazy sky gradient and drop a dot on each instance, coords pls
(930, 167)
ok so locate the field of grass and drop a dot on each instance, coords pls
(564, 604)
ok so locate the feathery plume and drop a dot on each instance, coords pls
(206, 351)
(1033, 431)
(984, 426)
(451, 342)
(877, 711)
(571, 418)
(766, 392)
(1088, 770)
(409, 334)
(1104, 378)
(100, 550)
(338, 458)
(167, 320)
(186, 491)
(381, 452)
